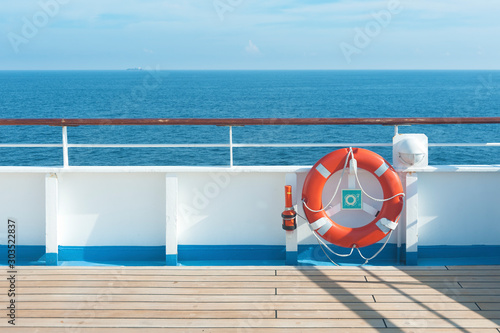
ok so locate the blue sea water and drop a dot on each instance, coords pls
(243, 94)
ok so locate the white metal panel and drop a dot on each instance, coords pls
(459, 208)
(231, 209)
(112, 209)
(22, 196)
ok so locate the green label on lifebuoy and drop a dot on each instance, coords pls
(351, 199)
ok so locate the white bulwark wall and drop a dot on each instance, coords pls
(459, 208)
(155, 206)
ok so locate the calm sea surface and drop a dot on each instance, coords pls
(243, 94)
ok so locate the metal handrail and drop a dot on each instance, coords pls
(249, 121)
(230, 122)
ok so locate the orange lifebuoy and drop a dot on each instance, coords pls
(345, 236)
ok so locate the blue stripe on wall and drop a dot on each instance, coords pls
(112, 253)
(314, 255)
(23, 253)
(251, 254)
(231, 252)
(458, 251)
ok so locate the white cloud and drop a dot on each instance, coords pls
(251, 48)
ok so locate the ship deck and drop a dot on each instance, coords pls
(254, 299)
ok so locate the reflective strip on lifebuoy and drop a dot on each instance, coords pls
(385, 220)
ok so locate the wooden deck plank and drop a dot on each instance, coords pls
(436, 298)
(445, 323)
(254, 284)
(490, 272)
(261, 278)
(192, 298)
(489, 306)
(191, 278)
(145, 291)
(434, 278)
(150, 314)
(198, 323)
(473, 268)
(269, 314)
(391, 314)
(290, 306)
(422, 290)
(240, 284)
(481, 285)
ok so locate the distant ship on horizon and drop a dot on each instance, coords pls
(135, 69)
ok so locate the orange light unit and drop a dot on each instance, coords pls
(289, 215)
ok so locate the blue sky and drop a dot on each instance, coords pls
(248, 34)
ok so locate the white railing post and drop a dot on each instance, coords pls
(51, 219)
(231, 146)
(171, 206)
(411, 214)
(65, 146)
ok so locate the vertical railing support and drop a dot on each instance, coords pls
(291, 235)
(51, 219)
(171, 205)
(411, 213)
(65, 146)
(231, 146)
